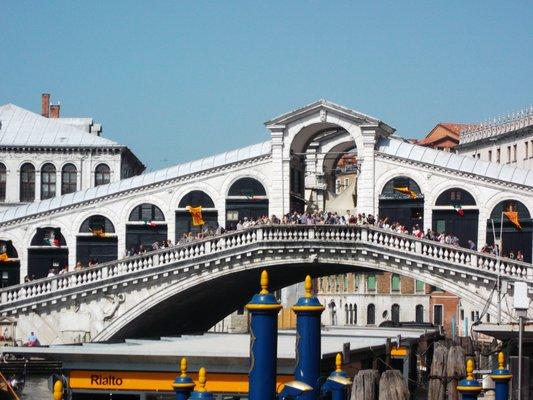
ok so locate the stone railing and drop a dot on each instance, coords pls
(500, 126)
(430, 252)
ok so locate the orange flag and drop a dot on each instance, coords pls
(513, 217)
(406, 190)
(196, 214)
(4, 257)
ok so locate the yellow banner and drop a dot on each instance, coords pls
(196, 214)
(4, 257)
(159, 381)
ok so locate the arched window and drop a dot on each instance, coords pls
(395, 283)
(455, 196)
(395, 313)
(402, 188)
(146, 212)
(27, 182)
(196, 198)
(354, 322)
(3, 177)
(69, 179)
(247, 187)
(371, 314)
(48, 181)
(97, 224)
(419, 313)
(102, 175)
(350, 310)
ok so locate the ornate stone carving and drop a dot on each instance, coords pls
(116, 301)
(323, 115)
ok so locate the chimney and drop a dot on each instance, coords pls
(45, 105)
(54, 110)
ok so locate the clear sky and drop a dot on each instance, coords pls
(176, 81)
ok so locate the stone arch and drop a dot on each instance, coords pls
(152, 199)
(167, 293)
(103, 211)
(437, 190)
(215, 195)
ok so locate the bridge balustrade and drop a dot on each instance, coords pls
(357, 234)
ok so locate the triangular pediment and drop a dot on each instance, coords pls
(325, 105)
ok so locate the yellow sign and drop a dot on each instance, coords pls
(399, 351)
(159, 381)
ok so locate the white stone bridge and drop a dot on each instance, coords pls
(188, 288)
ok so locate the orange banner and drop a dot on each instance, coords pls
(406, 190)
(196, 214)
(513, 217)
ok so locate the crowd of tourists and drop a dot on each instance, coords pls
(303, 218)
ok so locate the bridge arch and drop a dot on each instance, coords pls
(96, 240)
(146, 224)
(47, 251)
(195, 198)
(246, 198)
(238, 290)
(513, 239)
(402, 200)
(9, 263)
(456, 211)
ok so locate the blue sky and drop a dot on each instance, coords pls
(176, 81)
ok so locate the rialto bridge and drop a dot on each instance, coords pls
(188, 288)
(291, 171)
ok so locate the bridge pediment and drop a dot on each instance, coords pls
(320, 109)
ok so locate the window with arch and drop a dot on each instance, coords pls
(455, 196)
(48, 181)
(347, 314)
(69, 179)
(353, 319)
(247, 187)
(102, 175)
(371, 314)
(196, 198)
(27, 182)
(395, 189)
(419, 313)
(3, 178)
(146, 212)
(97, 224)
(395, 283)
(395, 313)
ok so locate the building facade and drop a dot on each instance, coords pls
(44, 156)
(506, 140)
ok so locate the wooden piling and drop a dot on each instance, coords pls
(365, 385)
(392, 386)
(455, 370)
(437, 389)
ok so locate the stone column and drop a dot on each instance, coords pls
(279, 191)
(37, 184)
(367, 179)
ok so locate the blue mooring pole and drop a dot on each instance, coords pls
(308, 311)
(201, 392)
(183, 384)
(338, 382)
(264, 310)
(501, 378)
(469, 387)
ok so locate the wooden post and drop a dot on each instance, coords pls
(392, 386)
(455, 370)
(436, 389)
(365, 385)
